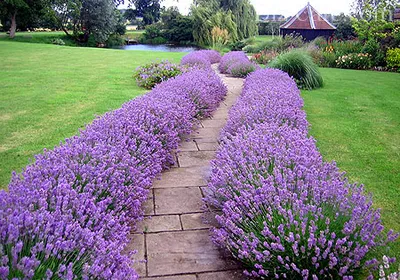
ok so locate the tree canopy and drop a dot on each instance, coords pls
(24, 10)
(87, 17)
(238, 17)
(373, 9)
(148, 9)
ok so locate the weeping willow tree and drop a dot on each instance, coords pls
(206, 19)
(238, 17)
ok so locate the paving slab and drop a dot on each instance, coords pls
(175, 277)
(178, 200)
(148, 206)
(222, 275)
(137, 243)
(160, 223)
(214, 123)
(208, 146)
(198, 221)
(188, 146)
(205, 140)
(200, 158)
(184, 252)
(209, 132)
(183, 177)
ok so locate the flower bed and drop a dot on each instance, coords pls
(148, 76)
(237, 64)
(286, 212)
(68, 214)
(202, 59)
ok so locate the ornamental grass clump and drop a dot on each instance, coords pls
(237, 64)
(68, 215)
(148, 76)
(287, 214)
(299, 65)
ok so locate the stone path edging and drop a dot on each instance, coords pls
(173, 240)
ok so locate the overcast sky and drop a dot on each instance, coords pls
(284, 7)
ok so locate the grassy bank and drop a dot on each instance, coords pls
(48, 92)
(356, 121)
(38, 37)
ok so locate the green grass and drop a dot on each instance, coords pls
(356, 121)
(38, 37)
(48, 92)
(263, 38)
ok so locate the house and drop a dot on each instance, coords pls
(308, 23)
(396, 15)
(271, 18)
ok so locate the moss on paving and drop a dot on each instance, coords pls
(48, 92)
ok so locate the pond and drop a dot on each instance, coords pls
(158, 48)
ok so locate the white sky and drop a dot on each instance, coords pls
(284, 7)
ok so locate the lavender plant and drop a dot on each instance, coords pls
(202, 59)
(285, 212)
(148, 76)
(237, 64)
(68, 214)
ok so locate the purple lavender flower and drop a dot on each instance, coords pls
(286, 212)
(237, 64)
(69, 213)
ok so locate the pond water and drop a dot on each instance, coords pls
(158, 48)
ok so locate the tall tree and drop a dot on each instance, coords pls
(344, 27)
(238, 13)
(148, 9)
(11, 8)
(372, 9)
(87, 17)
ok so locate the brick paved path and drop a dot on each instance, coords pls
(174, 239)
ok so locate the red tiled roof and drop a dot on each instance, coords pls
(308, 18)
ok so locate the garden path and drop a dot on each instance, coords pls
(173, 240)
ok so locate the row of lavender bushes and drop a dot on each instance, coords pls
(68, 214)
(201, 59)
(287, 214)
(237, 64)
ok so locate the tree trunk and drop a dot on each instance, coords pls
(13, 28)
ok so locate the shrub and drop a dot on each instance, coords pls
(377, 55)
(150, 75)
(355, 61)
(58, 41)
(68, 214)
(286, 214)
(328, 60)
(237, 64)
(393, 58)
(346, 47)
(202, 59)
(299, 65)
(284, 105)
(265, 57)
(316, 53)
(242, 68)
(288, 42)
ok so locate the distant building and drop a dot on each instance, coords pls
(308, 23)
(396, 14)
(271, 18)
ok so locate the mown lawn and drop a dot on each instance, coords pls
(264, 38)
(38, 37)
(356, 121)
(48, 92)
